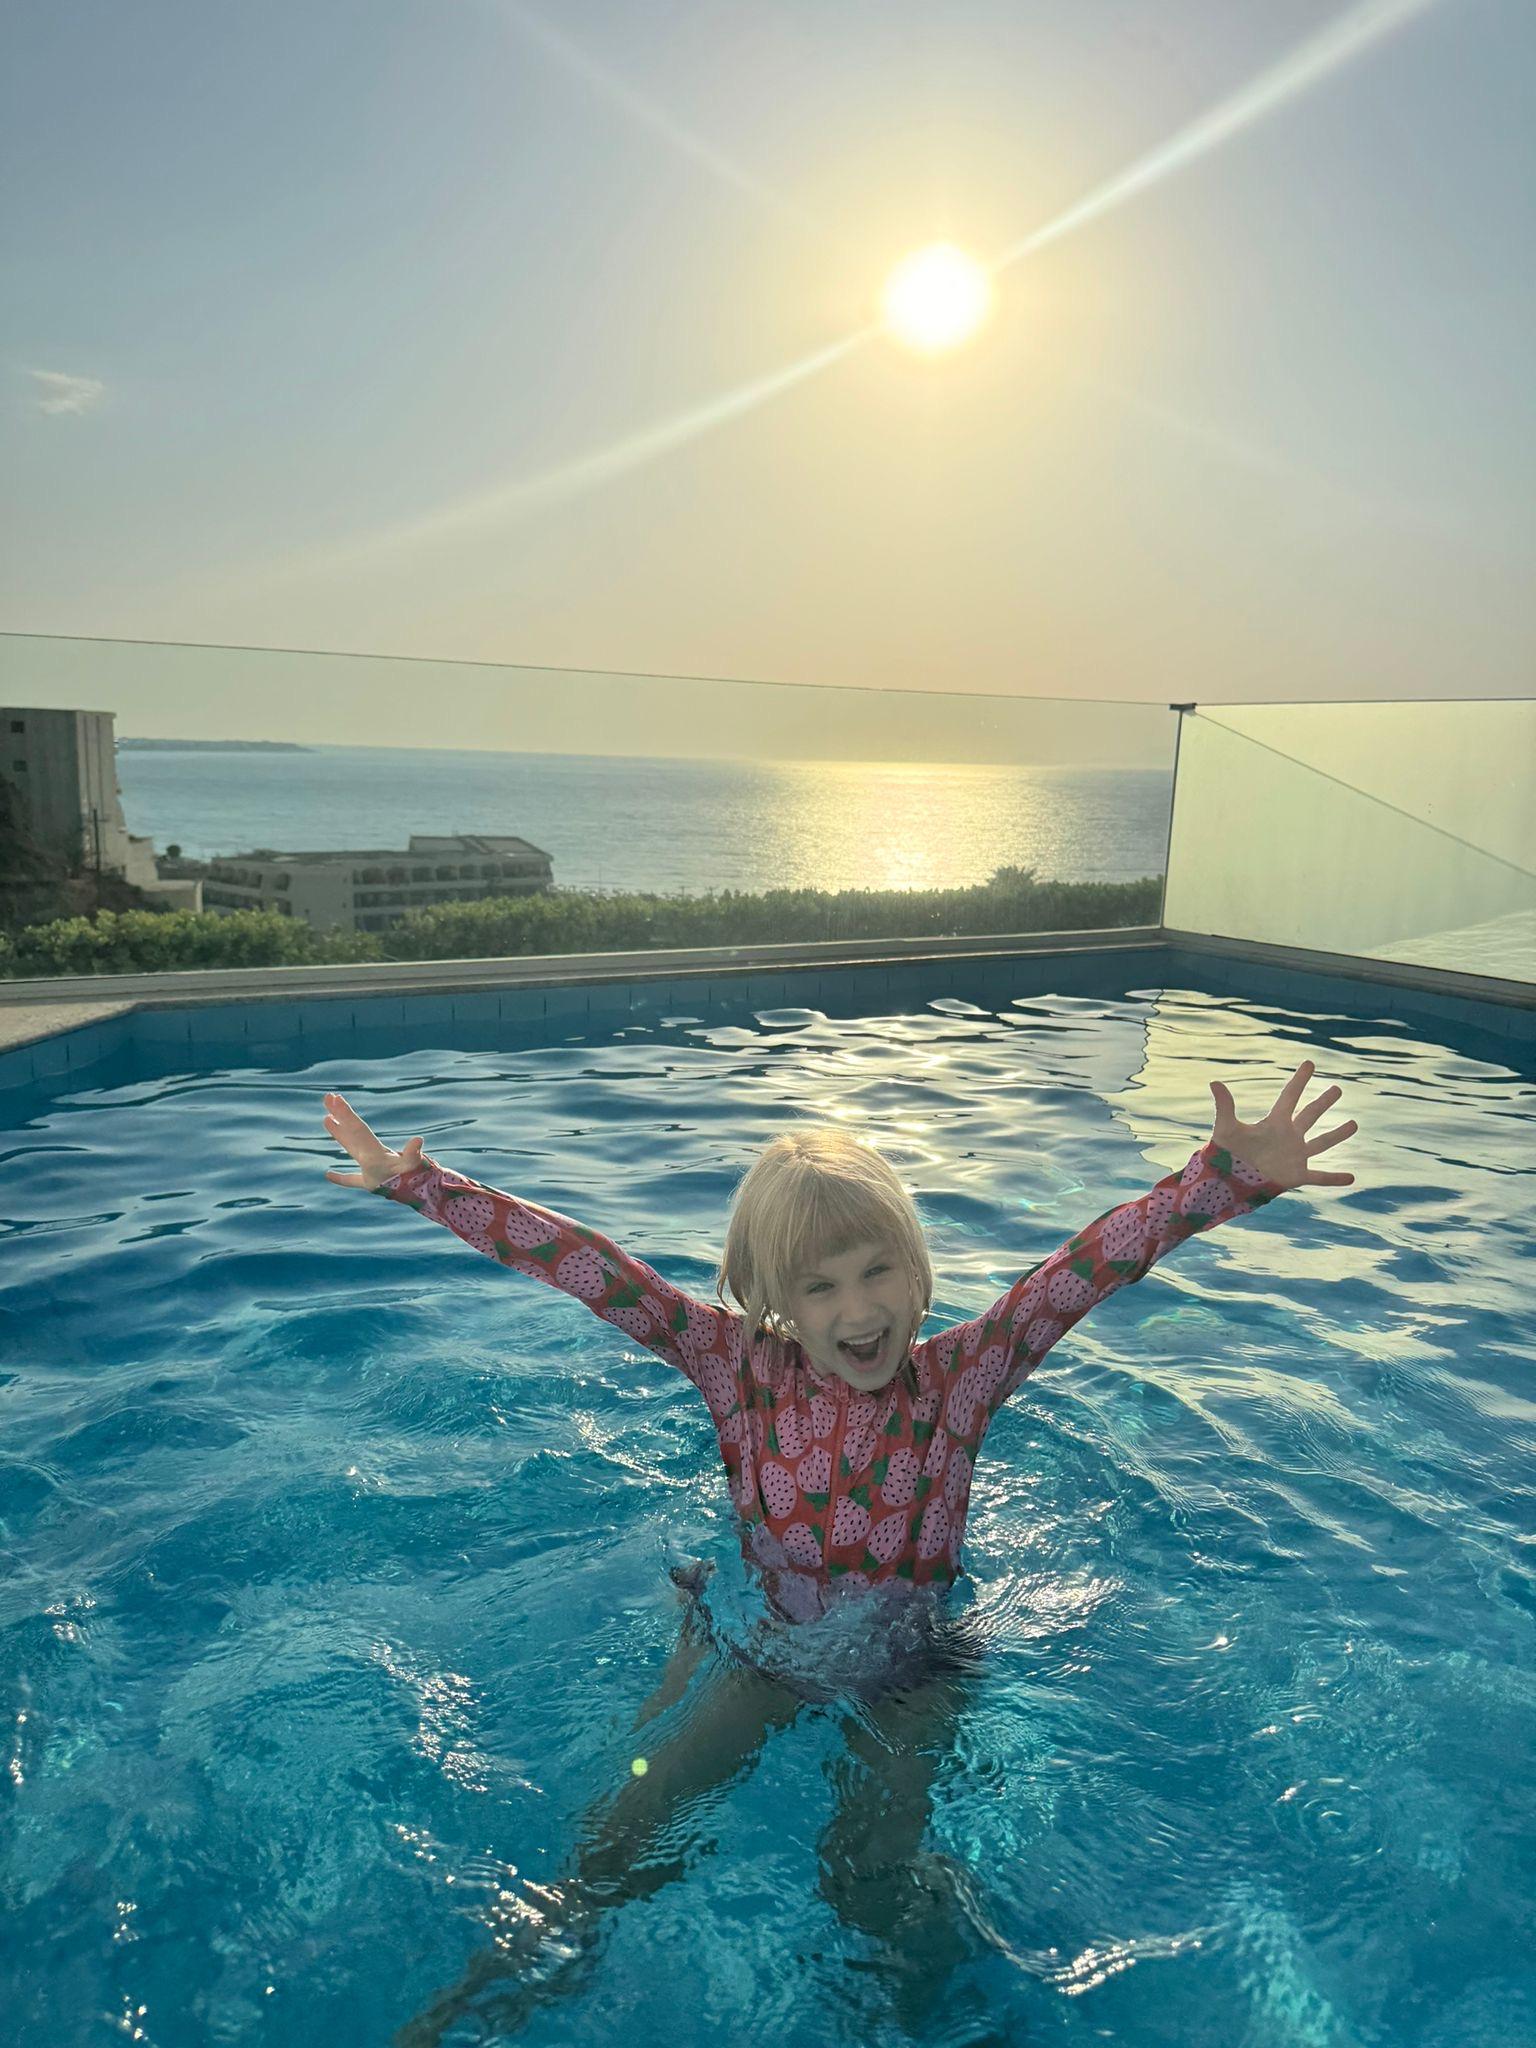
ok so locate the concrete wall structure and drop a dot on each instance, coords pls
(63, 767)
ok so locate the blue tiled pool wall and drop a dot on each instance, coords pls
(228, 1033)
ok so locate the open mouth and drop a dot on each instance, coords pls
(864, 1355)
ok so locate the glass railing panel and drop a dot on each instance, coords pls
(1403, 832)
(384, 808)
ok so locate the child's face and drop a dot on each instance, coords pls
(861, 1292)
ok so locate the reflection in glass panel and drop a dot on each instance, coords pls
(1400, 831)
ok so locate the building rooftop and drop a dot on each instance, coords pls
(422, 846)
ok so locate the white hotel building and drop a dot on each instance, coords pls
(371, 890)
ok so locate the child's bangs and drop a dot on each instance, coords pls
(830, 1219)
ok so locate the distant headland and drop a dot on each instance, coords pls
(213, 746)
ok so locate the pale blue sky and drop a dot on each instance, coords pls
(309, 310)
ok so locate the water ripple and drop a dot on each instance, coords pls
(334, 1556)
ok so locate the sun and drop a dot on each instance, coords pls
(936, 298)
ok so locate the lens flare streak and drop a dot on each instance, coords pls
(1314, 60)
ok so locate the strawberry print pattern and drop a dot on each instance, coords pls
(837, 1490)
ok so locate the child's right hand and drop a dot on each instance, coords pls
(378, 1163)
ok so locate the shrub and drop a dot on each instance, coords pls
(153, 942)
(567, 921)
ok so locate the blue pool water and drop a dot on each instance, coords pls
(299, 1692)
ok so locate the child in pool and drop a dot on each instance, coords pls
(849, 1448)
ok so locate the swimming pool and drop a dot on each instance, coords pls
(302, 1695)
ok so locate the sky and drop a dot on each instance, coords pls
(493, 333)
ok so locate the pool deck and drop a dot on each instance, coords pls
(44, 1024)
(25, 1023)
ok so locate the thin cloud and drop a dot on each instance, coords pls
(59, 393)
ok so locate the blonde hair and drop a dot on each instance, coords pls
(815, 1193)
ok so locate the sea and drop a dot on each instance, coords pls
(614, 823)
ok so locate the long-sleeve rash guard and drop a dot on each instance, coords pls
(837, 1489)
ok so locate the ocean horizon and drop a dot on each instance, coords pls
(667, 825)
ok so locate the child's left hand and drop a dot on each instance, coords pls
(1278, 1147)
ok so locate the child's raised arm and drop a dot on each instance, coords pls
(1239, 1168)
(695, 1336)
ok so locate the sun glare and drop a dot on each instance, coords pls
(936, 298)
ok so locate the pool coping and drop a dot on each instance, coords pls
(34, 1013)
(32, 1010)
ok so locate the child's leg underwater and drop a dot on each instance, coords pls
(694, 1646)
(874, 1871)
(717, 1734)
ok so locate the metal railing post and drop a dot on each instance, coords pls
(1173, 798)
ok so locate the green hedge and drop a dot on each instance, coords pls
(569, 921)
(155, 941)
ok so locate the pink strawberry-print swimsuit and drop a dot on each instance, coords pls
(839, 1491)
